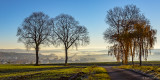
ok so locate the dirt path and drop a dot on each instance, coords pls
(121, 74)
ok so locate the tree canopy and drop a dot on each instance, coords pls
(126, 25)
(68, 32)
(35, 30)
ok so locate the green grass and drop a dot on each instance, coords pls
(97, 73)
(24, 68)
(46, 72)
(152, 70)
(146, 63)
(90, 64)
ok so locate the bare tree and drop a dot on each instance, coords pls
(68, 32)
(35, 30)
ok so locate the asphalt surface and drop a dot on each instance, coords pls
(121, 74)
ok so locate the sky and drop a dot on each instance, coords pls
(89, 13)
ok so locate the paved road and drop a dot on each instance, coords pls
(121, 74)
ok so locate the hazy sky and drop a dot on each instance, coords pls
(90, 13)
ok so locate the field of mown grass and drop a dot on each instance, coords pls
(146, 63)
(151, 70)
(52, 72)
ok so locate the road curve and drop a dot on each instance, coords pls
(121, 74)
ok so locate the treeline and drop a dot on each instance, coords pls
(130, 33)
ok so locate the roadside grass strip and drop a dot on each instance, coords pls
(150, 70)
(96, 73)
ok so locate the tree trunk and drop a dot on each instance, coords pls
(140, 54)
(121, 56)
(132, 60)
(126, 57)
(66, 54)
(133, 53)
(37, 58)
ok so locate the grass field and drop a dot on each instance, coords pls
(51, 72)
(146, 63)
(75, 71)
(151, 70)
